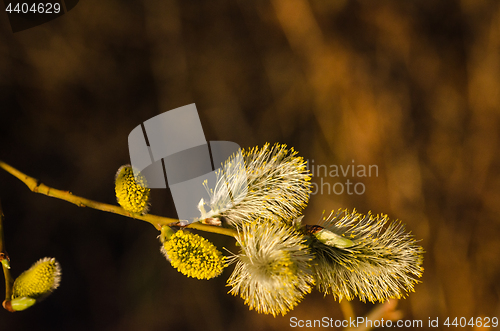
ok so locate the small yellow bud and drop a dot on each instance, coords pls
(132, 192)
(193, 255)
(37, 282)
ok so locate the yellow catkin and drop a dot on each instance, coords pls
(273, 270)
(39, 280)
(194, 256)
(382, 261)
(131, 192)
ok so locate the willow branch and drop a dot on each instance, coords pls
(157, 221)
(213, 229)
(4, 258)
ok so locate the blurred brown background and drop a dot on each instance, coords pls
(410, 86)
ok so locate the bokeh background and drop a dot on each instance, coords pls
(410, 86)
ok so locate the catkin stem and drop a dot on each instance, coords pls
(157, 221)
(386, 311)
(347, 309)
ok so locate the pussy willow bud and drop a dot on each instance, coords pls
(131, 191)
(366, 256)
(35, 283)
(274, 182)
(273, 270)
(193, 255)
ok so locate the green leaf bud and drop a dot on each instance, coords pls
(22, 303)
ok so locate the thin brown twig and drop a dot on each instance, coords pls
(157, 221)
(4, 257)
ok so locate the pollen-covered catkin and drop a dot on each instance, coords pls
(266, 182)
(273, 270)
(39, 280)
(193, 255)
(382, 260)
(131, 191)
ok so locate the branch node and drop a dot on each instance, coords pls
(8, 306)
